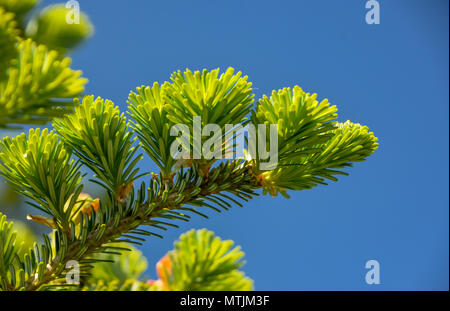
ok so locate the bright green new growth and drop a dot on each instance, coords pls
(41, 169)
(99, 135)
(217, 99)
(221, 100)
(303, 122)
(149, 111)
(313, 145)
(37, 85)
(201, 261)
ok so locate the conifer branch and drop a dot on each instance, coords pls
(42, 168)
(240, 182)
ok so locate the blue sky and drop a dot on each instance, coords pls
(392, 77)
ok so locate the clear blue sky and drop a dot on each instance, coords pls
(392, 77)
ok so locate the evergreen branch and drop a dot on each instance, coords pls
(349, 143)
(41, 169)
(98, 134)
(199, 261)
(217, 99)
(149, 111)
(165, 200)
(313, 147)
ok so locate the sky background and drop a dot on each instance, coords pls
(392, 77)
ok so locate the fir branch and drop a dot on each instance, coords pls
(41, 168)
(99, 135)
(240, 182)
